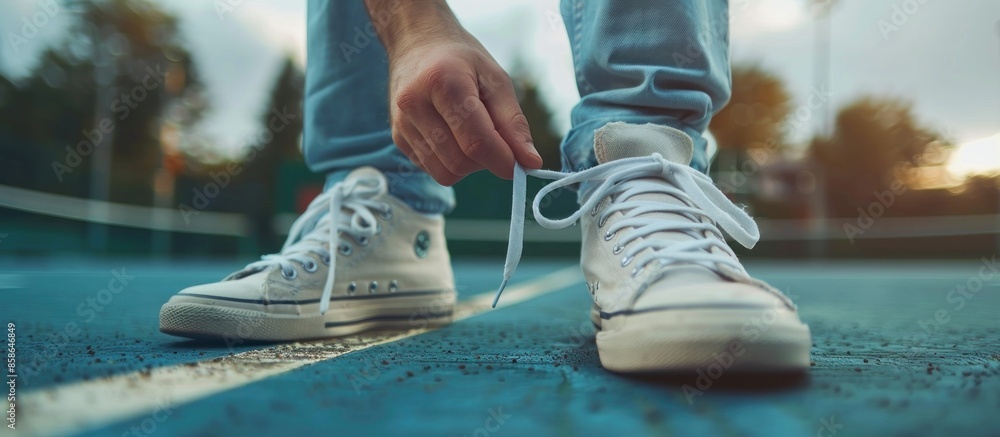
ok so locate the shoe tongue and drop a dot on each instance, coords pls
(619, 140)
(623, 140)
(362, 178)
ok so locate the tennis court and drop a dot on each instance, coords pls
(529, 367)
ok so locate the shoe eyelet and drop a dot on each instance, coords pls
(617, 249)
(598, 207)
(310, 266)
(422, 244)
(387, 214)
(345, 249)
(609, 235)
(373, 287)
(351, 288)
(393, 286)
(326, 258)
(363, 241)
(637, 271)
(627, 260)
(287, 275)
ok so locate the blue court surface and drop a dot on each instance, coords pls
(900, 348)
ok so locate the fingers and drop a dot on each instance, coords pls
(407, 137)
(404, 146)
(437, 134)
(501, 103)
(454, 123)
(456, 98)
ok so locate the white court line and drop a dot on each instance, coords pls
(79, 406)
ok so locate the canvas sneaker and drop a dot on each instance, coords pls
(357, 259)
(669, 293)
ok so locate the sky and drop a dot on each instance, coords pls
(943, 56)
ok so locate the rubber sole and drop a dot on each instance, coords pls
(206, 321)
(730, 340)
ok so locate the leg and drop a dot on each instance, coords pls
(646, 61)
(669, 294)
(346, 114)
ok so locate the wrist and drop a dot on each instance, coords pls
(403, 24)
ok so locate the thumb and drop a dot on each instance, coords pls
(501, 102)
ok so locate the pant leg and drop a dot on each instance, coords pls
(346, 122)
(646, 61)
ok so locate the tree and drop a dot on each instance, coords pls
(261, 173)
(755, 113)
(750, 130)
(122, 62)
(873, 140)
(539, 120)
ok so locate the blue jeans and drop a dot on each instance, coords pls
(637, 61)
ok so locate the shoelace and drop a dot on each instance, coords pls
(327, 211)
(619, 178)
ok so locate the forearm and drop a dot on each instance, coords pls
(400, 23)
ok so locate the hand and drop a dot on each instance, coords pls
(453, 108)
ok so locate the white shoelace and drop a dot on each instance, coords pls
(328, 210)
(619, 178)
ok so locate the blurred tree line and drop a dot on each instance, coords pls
(121, 73)
(122, 83)
(875, 142)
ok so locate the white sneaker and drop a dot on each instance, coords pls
(669, 294)
(391, 270)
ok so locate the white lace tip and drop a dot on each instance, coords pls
(499, 290)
